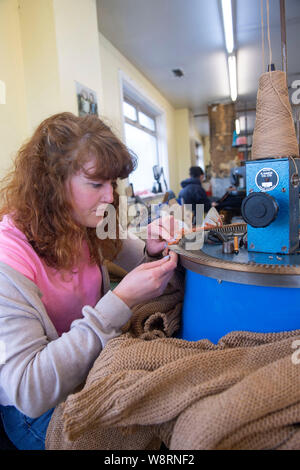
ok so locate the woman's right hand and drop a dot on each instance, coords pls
(147, 281)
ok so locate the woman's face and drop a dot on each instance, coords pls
(89, 199)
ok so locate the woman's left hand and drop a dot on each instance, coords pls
(159, 232)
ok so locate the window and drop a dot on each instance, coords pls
(199, 155)
(141, 138)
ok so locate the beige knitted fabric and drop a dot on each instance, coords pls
(100, 438)
(161, 316)
(243, 393)
(157, 318)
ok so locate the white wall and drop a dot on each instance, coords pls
(13, 117)
(37, 27)
(60, 45)
(114, 66)
(183, 141)
(76, 34)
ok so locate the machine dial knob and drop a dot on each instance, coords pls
(259, 209)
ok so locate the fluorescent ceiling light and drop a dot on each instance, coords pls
(232, 76)
(237, 126)
(228, 25)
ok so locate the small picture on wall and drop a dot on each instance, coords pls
(86, 100)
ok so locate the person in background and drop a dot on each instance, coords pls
(55, 317)
(192, 191)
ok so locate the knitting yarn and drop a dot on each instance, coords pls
(274, 133)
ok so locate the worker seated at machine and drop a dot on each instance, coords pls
(192, 191)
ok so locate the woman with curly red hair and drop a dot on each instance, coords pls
(55, 312)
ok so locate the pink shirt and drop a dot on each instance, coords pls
(63, 298)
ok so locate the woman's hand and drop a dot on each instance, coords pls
(147, 281)
(159, 232)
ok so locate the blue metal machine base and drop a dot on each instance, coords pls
(212, 309)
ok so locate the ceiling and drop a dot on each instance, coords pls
(158, 36)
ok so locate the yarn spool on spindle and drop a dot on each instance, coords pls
(274, 133)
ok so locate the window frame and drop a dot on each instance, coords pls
(130, 90)
(138, 107)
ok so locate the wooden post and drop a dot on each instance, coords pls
(221, 124)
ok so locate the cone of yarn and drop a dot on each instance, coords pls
(274, 133)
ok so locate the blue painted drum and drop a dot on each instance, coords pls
(212, 309)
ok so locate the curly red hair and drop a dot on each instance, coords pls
(33, 193)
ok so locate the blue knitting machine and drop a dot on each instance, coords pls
(256, 289)
(271, 208)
